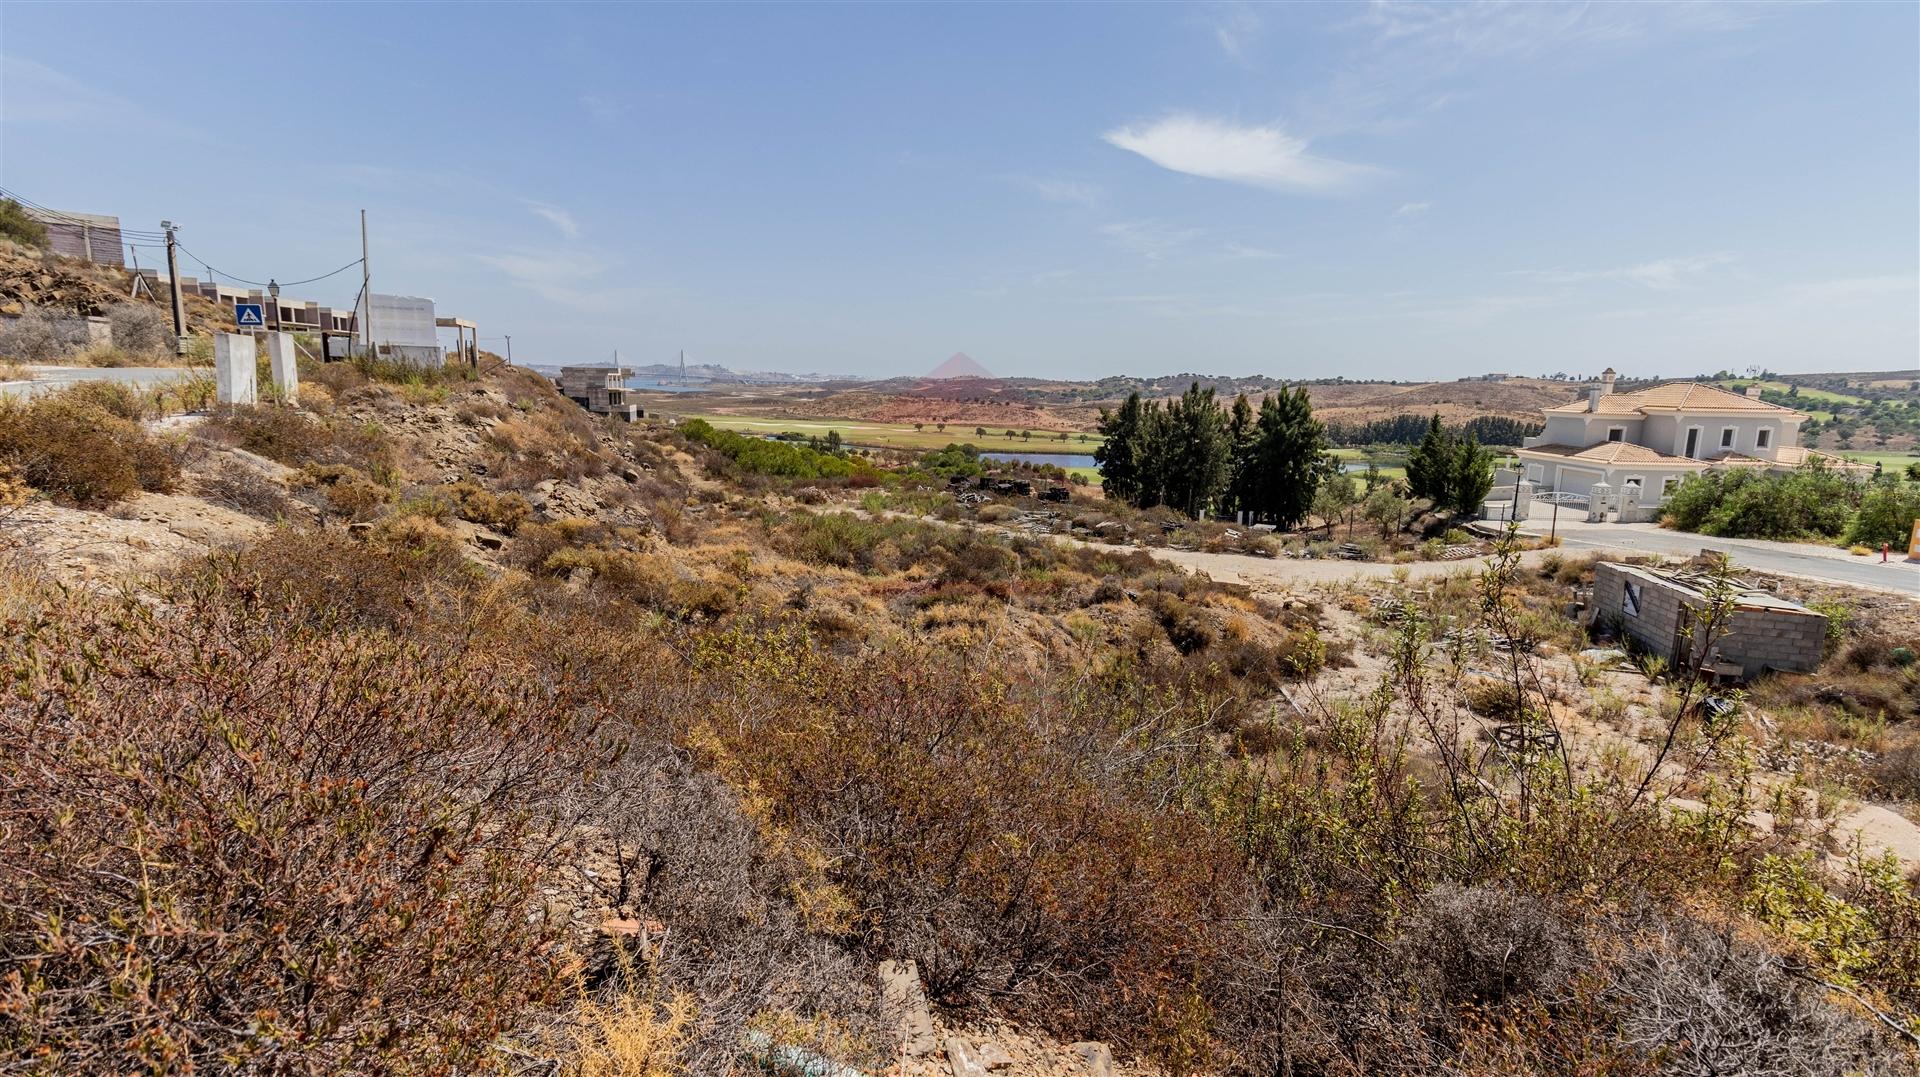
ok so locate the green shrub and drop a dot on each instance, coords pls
(1808, 502)
(765, 457)
(1886, 515)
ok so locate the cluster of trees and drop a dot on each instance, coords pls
(1194, 455)
(1410, 429)
(819, 459)
(1453, 472)
(1811, 502)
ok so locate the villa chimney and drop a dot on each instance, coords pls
(1594, 393)
(1606, 381)
(1753, 391)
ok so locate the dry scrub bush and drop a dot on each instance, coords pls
(296, 439)
(140, 329)
(238, 842)
(243, 489)
(80, 453)
(37, 336)
(552, 440)
(502, 512)
(350, 493)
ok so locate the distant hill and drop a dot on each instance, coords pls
(959, 365)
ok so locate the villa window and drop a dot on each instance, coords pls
(1762, 439)
(1726, 438)
(1616, 433)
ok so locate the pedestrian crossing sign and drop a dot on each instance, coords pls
(248, 316)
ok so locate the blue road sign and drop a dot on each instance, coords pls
(248, 316)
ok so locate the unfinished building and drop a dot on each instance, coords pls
(601, 390)
(1661, 610)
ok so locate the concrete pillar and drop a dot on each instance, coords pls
(1629, 502)
(1599, 498)
(1522, 499)
(234, 378)
(286, 367)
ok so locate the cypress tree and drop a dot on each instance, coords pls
(1290, 457)
(1242, 439)
(1120, 466)
(1196, 452)
(1429, 463)
(1469, 476)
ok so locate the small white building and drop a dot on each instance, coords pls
(1652, 439)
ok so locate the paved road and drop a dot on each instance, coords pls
(49, 378)
(1785, 558)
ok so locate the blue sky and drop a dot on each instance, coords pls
(1390, 190)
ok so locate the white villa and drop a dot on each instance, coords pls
(1642, 444)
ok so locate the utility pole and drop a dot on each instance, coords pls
(509, 349)
(173, 279)
(366, 293)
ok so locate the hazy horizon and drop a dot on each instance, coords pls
(1394, 191)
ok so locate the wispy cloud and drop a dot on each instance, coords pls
(1663, 274)
(1489, 28)
(1235, 26)
(545, 268)
(1412, 209)
(37, 94)
(557, 217)
(1242, 250)
(1149, 239)
(1265, 157)
(1065, 191)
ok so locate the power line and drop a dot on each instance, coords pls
(204, 264)
(60, 217)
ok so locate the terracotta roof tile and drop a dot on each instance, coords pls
(1614, 452)
(1674, 395)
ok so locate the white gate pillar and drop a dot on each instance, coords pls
(235, 377)
(286, 367)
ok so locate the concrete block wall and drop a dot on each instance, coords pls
(1765, 639)
(1756, 639)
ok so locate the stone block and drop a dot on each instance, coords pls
(235, 380)
(961, 1060)
(286, 366)
(904, 1005)
(1097, 1057)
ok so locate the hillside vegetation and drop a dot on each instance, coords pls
(506, 739)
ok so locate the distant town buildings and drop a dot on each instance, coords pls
(92, 237)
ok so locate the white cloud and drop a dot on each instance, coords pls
(1256, 156)
(1149, 239)
(557, 217)
(1242, 250)
(1412, 209)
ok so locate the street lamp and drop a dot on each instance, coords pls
(273, 289)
